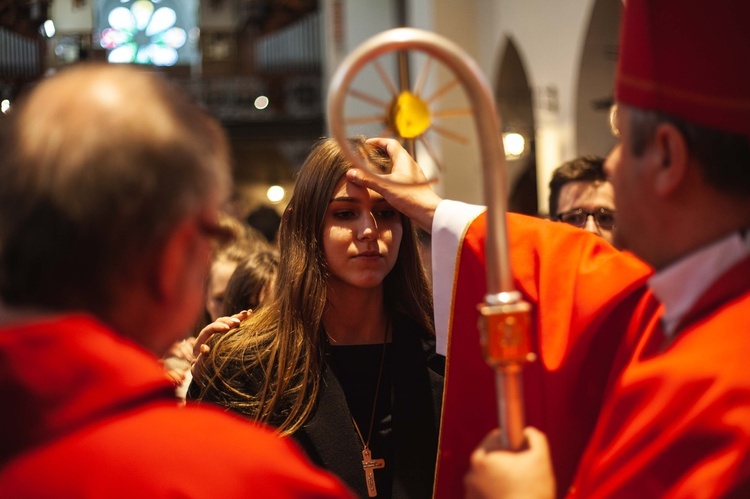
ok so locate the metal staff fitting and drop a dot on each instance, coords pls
(504, 316)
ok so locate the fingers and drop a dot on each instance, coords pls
(364, 178)
(230, 322)
(405, 169)
(492, 441)
(391, 146)
(495, 472)
(220, 325)
(243, 315)
(406, 188)
(536, 439)
(175, 377)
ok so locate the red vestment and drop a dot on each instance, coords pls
(676, 421)
(89, 414)
(659, 426)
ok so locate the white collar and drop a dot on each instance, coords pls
(682, 283)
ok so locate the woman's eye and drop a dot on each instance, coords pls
(344, 214)
(389, 213)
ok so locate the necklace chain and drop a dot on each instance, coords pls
(369, 465)
(366, 444)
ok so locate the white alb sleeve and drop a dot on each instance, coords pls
(449, 225)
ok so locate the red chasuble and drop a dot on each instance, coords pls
(676, 422)
(87, 413)
(663, 422)
(573, 281)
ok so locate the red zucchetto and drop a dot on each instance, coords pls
(687, 58)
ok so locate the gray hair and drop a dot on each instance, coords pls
(724, 157)
(98, 164)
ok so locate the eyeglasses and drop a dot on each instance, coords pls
(603, 217)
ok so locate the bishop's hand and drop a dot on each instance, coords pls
(495, 472)
(406, 188)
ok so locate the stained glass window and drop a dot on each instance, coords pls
(158, 32)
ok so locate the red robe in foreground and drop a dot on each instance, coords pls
(89, 414)
(652, 418)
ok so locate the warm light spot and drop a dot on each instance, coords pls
(275, 193)
(4, 106)
(49, 28)
(514, 145)
(261, 102)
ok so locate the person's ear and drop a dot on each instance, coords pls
(172, 260)
(673, 159)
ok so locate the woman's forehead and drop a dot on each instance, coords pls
(345, 189)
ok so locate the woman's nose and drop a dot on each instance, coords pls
(368, 229)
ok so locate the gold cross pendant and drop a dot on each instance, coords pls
(369, 465)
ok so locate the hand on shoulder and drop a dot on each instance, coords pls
(219, 326)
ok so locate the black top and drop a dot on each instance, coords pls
(407, 418)
(356, 368)
(406, 429)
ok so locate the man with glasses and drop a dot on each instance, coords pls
(580, 195)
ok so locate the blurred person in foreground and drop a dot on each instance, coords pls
(110, 188)
(641, 383)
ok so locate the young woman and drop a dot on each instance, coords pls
(342, 357)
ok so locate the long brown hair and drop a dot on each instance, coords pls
(270, 367)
